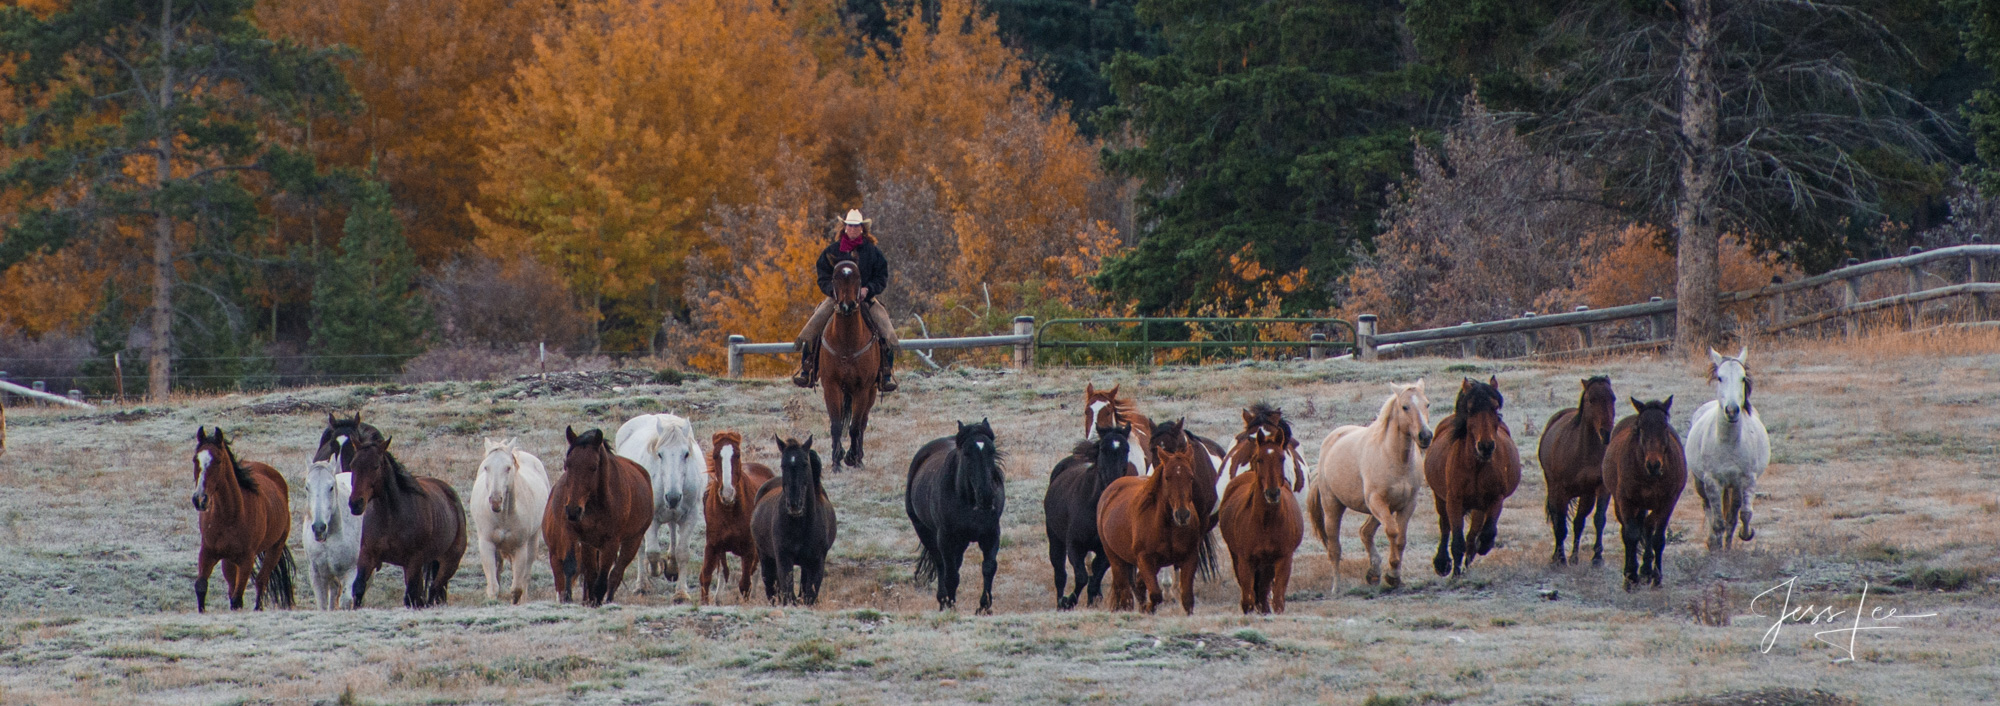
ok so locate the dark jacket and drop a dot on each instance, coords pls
(874, 267)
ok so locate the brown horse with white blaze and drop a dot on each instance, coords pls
(848, 366)
(1572, 456)
(246, 518)
(1261, 521)
(1472, 466)
(726, 507)
(606, 504)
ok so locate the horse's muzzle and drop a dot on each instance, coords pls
(796, 510)
(845, 307)
(673, 502)
(1653, 467)
(319, 531)
(1424, 437)
(1732, 412)
(573, 512)
(200, 501)
(1485, 450)
(1181, 518)
(494, 502)
(356, 505)
(1271, 496)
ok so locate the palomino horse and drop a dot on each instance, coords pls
(1149, 522)
(954, 496)
(509, 497)
(664, 445)
(848, 363)
(1572, 456)
(795, 526)
(246, 518)
(1103, 409)
(1472, 471)
(1260, 514)
(415, 523)
(1728, 449)
(1376, 470)
(1645, 471)
(331, 535)
(1069, 510)
(726, 508)
(1262, 422)
(606, 504)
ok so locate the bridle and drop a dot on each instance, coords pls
(846, 309)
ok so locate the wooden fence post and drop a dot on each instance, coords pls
(1316, 351)
(118, 372)
(1024, 353)
(1777, 302)
(1657, 323)
(1979, 308)
(1850, 295)
(1467, 347)
(1583, 331)
(1364, 337)
(736, 355)
(1528, 337)
(1916, 274)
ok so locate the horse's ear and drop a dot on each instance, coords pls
(1114, 389)
(1714, 357)
(780, 442)
(809, 442)
(329, 419)
(385, 443)
(569, 432)
(1493, 381)
(1743, 356)
(1089, 388)
(1667, 406)
(1420, 383)
(1248, 417)
(218, 435)
(961, 428)
(1636, 407)
(201, 434)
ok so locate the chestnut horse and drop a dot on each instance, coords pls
(1069, 510)
(415, 523)
(726, 505)
(1149, 522)
(1378, 471)
(1261, 521)
(246, 518)
(606, 505)
(1572, 456)
(555, 533)
(1645, 470)
(848, 363)
(795, 526)
(1472, 467)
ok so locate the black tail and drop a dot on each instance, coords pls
(927, 569)
(281, 581)
(1204, 558)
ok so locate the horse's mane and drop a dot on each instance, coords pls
(1263, 414)
(243, 478)
(678, 432)
(1594, 379)
(1473, 399)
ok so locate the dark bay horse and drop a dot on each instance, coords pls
(1472, 467)
(606, 504)
(795, 525)
(1572, 456)
(1644, 471)
(415, 523)
(848, 363)
(1204, 456)
(1260, 517)
(726, 506)
(1150, 522)
(1069, 510)
(954, 496)
(246, 518)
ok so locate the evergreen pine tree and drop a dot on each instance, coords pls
(365, 301)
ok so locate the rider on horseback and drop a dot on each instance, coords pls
(856, 242)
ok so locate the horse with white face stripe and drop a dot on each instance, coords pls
(1727, 449)
(664, 445)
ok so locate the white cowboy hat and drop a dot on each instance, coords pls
(854, 217)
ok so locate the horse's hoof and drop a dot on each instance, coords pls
(1392, 581)
(1374, 576)
(1442, 565)
(1597, 561)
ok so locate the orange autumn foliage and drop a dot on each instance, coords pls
(1628, 266)
(424, 70)
(626, 126)
(760, 284)
(51, 293)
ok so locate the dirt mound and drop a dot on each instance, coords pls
(1776, 696)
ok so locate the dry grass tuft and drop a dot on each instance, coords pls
(1711, 606)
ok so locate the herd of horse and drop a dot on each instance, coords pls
(1133, 497)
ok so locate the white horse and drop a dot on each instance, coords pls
(332, 535)
(664, 445)
(1727, 449)
(1376, 470)
(508, 499)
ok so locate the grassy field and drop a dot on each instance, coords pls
(1884, 471)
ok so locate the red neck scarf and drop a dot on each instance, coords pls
(849, 245)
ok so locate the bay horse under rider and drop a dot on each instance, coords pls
(855, 241)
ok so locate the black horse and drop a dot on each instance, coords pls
(954, 497)
(794, 525)
(1070, 510)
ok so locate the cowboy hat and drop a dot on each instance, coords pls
(854, 218)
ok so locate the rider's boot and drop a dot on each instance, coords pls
(883, 380)
(808, 372)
